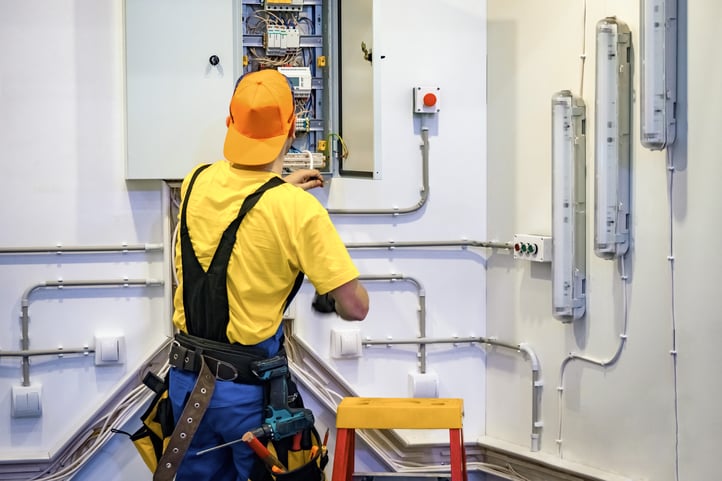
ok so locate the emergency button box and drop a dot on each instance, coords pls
(426, 100)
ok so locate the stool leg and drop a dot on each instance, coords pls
(343, 457)
(458, 455)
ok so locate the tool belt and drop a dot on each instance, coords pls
(228, 362)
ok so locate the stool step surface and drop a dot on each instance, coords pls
(400, 413)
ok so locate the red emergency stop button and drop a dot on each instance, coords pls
(429, 99)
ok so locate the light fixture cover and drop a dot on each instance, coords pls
(612, 134)
(658, 25)
(568, 206)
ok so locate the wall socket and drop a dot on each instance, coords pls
(423, 385)
(26, 401)
(109, 350)
(345, 343)
(530, 247)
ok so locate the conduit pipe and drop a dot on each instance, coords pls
(424, 188)
(60, 249)
(422, 341)
(524, 348)
(60, 352)
(603, 363)
(60, 284)
(421, 293)
(391, 245)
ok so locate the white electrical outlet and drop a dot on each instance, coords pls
(345, 343)
(109, 350)
(535, 248)
(26, 401)
(423, 385)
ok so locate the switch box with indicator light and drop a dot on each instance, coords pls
(426, 100)
(535, 248)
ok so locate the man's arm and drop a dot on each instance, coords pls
(352, 300)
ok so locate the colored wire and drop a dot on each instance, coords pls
(344, 149)
(309, 22)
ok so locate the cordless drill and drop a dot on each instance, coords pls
(281, 420)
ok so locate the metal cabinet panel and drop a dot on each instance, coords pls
(176, 99)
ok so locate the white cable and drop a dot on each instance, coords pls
(673, 352)
(310, 158)
(120, 414)
(583, 55)
(172, 253)
(75, 457)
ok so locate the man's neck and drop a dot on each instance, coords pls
(275, 166)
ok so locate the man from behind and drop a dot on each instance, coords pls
(247, 238)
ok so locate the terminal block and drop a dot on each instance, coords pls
(304, 160)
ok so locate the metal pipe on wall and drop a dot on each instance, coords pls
(421, 293)
(60, 249)
(424, 188)
(452, 243)
(422, 341)
(25, 303)
(60, 352)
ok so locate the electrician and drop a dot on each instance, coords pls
(239, 267)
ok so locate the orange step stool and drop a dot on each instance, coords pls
(397, 413)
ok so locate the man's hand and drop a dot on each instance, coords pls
(323, 303)
(306, 179)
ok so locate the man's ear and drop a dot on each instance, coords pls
(292, 130)
(228, 121)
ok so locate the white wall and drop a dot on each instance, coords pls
(62, 141)
(61, 145)
(620, 419)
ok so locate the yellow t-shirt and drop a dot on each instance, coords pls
(287, 231)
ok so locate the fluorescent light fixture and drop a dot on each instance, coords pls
(612, 132)
(658, 25)
(568, 206)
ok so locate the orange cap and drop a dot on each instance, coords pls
(262, 115)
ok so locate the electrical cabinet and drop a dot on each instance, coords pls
(184, 56)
